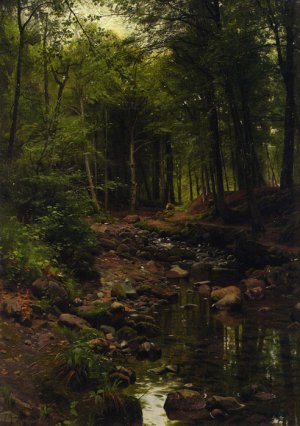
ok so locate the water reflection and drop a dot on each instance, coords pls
(221, 353)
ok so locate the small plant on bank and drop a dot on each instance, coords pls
(81, 336)
(78, 366)
(107, 399)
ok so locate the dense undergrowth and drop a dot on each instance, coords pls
(55, 239)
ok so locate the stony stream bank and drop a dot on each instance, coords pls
(198, 326)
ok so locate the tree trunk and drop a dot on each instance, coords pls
(156, 171)
(297, 83)
(15, 113)
(179, 180)
(46, 74)
(204, 189)
(105, 160)
(255, 215)
(87, 165)
(190, 181)
(206, 174)
(145, 180)
(216, 155)
(163, 195)
(132, 166)
(90, 181)
(198, 188)
(287, 169)
(170, 172)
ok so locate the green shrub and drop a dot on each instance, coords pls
(24, 254)
(71, 238)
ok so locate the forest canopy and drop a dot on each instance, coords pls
(195, 99)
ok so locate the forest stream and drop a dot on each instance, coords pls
(220, 352)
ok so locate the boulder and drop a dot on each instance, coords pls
(96, 314)
(185, 405)
(230, 301)
(159, 292)
(221, 292)
(125, 372)
(204, 290)
(227, 298)
(227, 403)
(295, 314)
(73, 322)
(154, 267)
(108, 243)
(148, 329)
(201, 271)
(117, 308)
(126, 249)
(11, 308)
(148, 350)
(118, 291)
(177, 272)
(132, 218)
(130, 291)
(253, 282)
(52, 289)
(255, 293)
(126, 333)
(99, 345)
(144, 290)
(170, 207)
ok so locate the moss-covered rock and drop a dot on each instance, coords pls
(148, 329)
(118, 291)
(126, 333)
(96, 314)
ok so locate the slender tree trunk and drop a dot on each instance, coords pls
(96, 160)
(87, 165)
(170, 172)
(15, 113)
(224, 169)
(163, 196)
(179, 180)
(204, 188)
(198, 188)
(234, 171)
(46, 73)
(213, 183)
(105, 160)
(216, 154)
(156, 171)
(297, 84)
(190, 181)
(145, 180)
(255, 215)
(132, 166)
(287, 169)
(206, 174)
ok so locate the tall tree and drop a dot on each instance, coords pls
(280, 16)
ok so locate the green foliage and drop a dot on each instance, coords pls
(78, 366)
(24, 254)
(71, 238)
(80, 336)
(107, 399)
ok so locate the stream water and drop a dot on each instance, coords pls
(221, 353)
